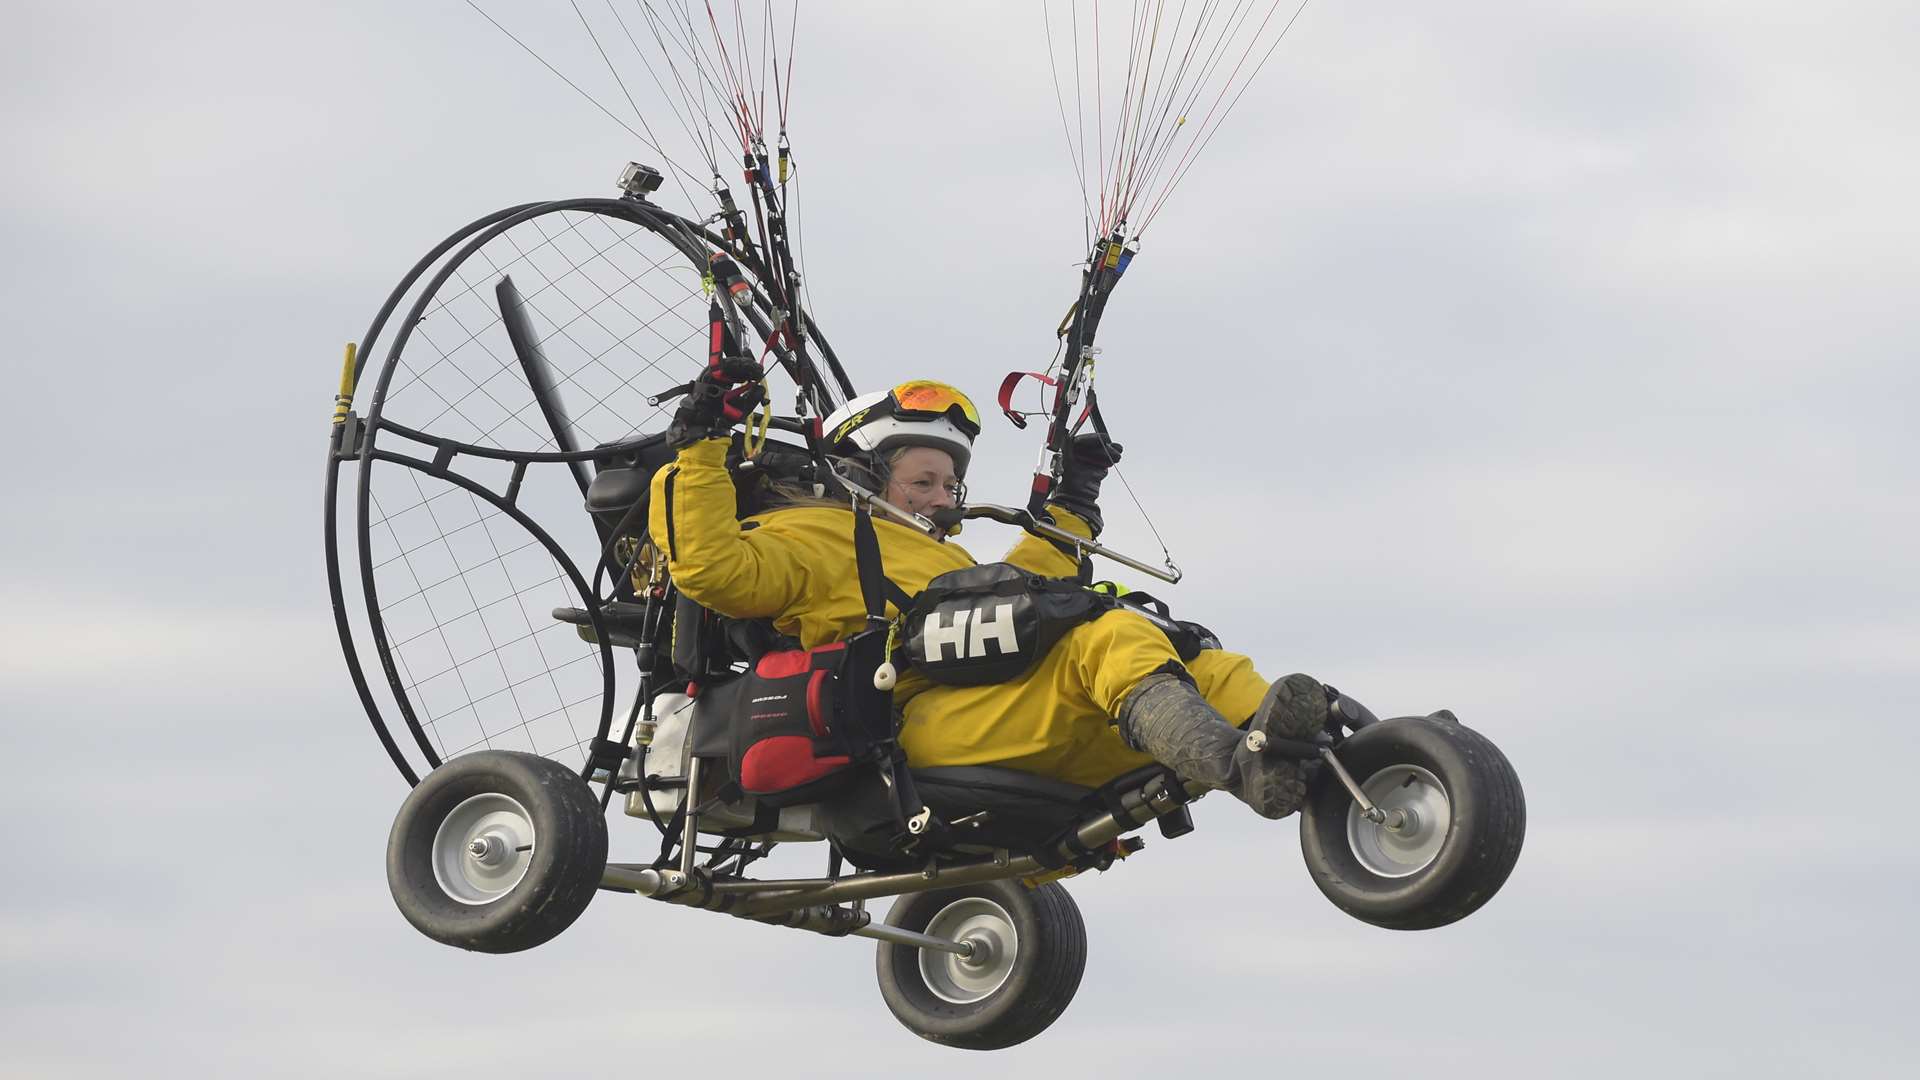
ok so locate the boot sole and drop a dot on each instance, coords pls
(1295, 708)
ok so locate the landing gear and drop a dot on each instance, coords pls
(1435, 833)
(496, 851)
(1023, 953)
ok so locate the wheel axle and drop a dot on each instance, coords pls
(1367, 809)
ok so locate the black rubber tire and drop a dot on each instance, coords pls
(1052, 956)
(1489, 822)
(569, 852)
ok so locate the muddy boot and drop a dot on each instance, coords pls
(1167, 718)
(1295, 708)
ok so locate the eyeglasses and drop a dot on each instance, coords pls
(926, 398)
(926, 488)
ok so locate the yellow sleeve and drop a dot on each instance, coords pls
(1044, 557)
(740, 574)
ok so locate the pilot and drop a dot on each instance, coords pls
(1110, 695)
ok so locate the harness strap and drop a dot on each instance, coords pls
(876, 589)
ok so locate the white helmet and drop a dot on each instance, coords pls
(917, 413)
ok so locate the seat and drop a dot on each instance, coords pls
(1000, 807)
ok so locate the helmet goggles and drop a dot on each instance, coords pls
(924, 399)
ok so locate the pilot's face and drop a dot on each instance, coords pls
(922, 481)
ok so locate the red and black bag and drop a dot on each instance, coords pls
(798, 721)
(789, 741)
(794, 727)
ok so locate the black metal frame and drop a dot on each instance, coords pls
(355, 439)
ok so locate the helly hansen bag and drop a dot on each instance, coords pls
(991, 623)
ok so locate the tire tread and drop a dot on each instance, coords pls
(1060, 944)
(1422, 902)
(571, 829)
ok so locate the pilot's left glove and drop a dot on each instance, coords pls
(1088, 459)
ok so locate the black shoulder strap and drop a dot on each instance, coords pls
(876, 589)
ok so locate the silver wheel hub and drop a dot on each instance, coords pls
(993, 946)
(483, 848)
(1416, 817)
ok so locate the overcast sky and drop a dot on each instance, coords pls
(1549, 362)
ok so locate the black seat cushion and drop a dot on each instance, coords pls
(988, 808)
(998, 807)
(985, 806)
(992, 782)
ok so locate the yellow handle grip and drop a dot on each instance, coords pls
(343, 401)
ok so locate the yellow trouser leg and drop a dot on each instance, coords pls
(1057, 720)
(1229, 683)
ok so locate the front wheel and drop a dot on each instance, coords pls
(1454, 819)
(497, 851)
(1028, 950)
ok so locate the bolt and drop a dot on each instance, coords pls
(977, 952)
(478, 849)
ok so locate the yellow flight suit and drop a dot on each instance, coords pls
(796, 566)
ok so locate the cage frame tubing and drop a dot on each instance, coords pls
(529, 457)
(607, 678)
(330, 516)
(675, 230)
(633, 211)
(670, 227)
(476, 238)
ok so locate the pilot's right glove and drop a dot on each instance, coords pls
(723, 395)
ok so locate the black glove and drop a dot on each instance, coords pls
(1088, 458)
(724, 394)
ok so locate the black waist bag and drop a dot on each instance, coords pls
(798, 720)
(990, 624)
(1189, 639)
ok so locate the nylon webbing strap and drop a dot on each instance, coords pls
(866, 561)
(876, 589)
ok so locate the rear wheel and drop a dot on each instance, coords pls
(1029, 948)
(1453, 821)
(497, 851)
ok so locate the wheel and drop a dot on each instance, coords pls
(1030, 948)
(1455, 821)
(496, 851)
